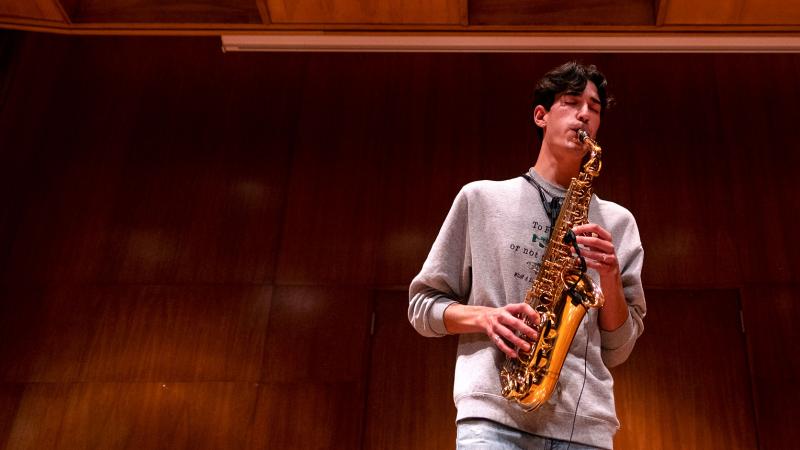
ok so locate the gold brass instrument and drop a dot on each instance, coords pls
(561, 294)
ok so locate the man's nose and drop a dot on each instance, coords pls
(583, 114)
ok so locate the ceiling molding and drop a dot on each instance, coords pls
(455, 17)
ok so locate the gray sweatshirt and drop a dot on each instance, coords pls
(487, 253)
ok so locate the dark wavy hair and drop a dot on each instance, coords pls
(570, 78)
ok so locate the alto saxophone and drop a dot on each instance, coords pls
(561, 294)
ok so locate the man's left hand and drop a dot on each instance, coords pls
(597, 249)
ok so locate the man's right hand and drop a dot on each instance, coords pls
(501, 324)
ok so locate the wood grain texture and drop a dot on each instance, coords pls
(317, 334)
(685, 12)
(767, 12)
(675, 176)
(133, 333)
(314, 414)
(554, 12)
(175, 333)
(342, 189)
(176, 11)
(415, 192)
(760, 193)
(688, 374)
(10, 397)
(349, 11)
(36, 9)
(410, 397)
(197, 17)
(185, 416)
(333, 204)
(742, 12)
(134, 415)
(769, 319)
(45, 332)
(122, 200)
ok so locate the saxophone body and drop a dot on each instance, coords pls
(561, 294)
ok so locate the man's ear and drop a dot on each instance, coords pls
(539, 116)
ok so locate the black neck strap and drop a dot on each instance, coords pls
(552, 207)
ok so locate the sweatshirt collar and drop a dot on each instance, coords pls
(553, 190)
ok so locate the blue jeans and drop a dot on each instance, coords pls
(481, 434)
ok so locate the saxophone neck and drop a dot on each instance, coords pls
(594, 163)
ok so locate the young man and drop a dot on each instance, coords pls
(484, 260)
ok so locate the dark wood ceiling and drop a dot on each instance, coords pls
(223, 16)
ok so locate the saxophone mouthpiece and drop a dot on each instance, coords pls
(584, 139)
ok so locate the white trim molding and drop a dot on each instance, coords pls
(516, 43)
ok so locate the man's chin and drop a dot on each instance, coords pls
(575, 144)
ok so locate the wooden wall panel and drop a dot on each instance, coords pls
(333, 207)
(769, 315)
(554, 12)
(310, 414)
(770, 12)
(314, 369)
(135, 195)
(44, 332)
(348, 11)
(178, 333)
(410, 397)
(196, 217)
(317, 334)
(684, 12)
(736, 12)
(36, 9)
(229, 220)
(687, 385)
(758, 152)
(663, 160)
(133, 333)
(185, 415)
(10, 397)
(56, 197)
(175, 11)
(62, 229)
(420, 138)
(135, 415)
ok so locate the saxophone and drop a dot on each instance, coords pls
(561, 294)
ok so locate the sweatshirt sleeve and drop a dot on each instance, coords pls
(618, 344)
(446, 276)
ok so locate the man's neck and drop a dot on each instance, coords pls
(555, 171)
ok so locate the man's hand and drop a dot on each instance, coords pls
(501, 324)
(598, 250)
